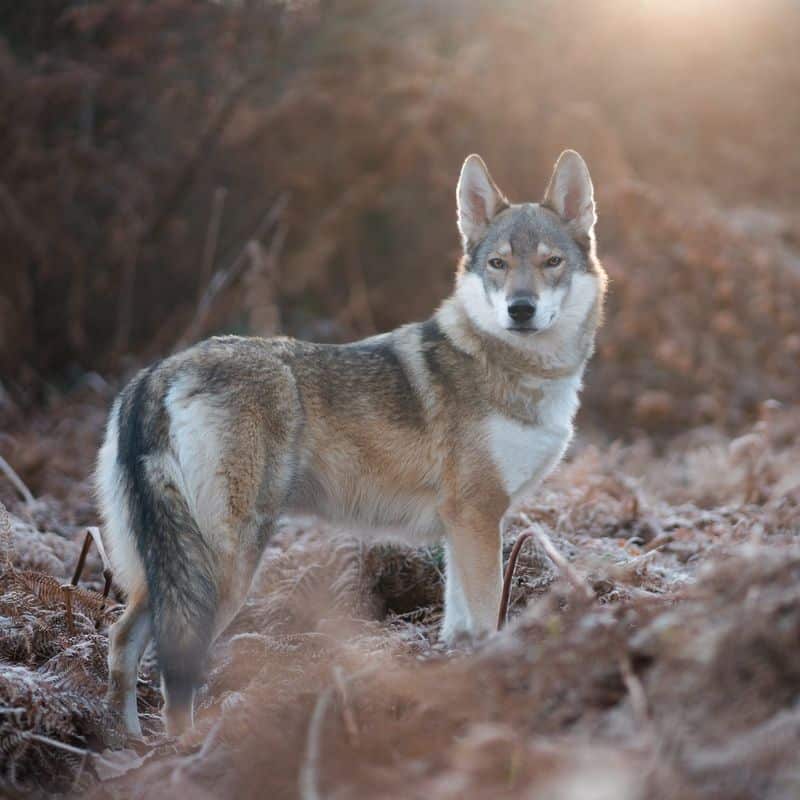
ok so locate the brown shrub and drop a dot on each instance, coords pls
(123, 118)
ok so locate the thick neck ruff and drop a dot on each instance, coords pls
(564, 354)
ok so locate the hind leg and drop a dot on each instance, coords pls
(235, 575)
(252, 539)
(128, 639)
(178, 711)
(182, 656)
(232, 465)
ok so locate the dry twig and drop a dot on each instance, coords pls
(567, 570)
(206, 142)
(5, 536)
(635, 690)
(212, 236)
(224, 278)
(347, 712)
(16, 481)
(261, 283)
(309, 772)
(512, 565)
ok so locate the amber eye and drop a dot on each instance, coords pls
(553, 261)
(497, 263)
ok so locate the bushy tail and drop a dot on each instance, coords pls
(178, 562)
(183, 595)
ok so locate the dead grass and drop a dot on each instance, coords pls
(655, 652)
(671, 670)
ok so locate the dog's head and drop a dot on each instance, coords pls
(530, 267)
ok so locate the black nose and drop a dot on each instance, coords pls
(521, 310)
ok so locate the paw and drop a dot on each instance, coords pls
(464, 635)
(178, 719)
(124, 711)
(452, 636)
(455, 628)
(461, 636)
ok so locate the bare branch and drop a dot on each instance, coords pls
(224, 278)
(347, 712)
(512, 565)
(309, 772)
(5, 535)
(534, 531)
(212, 237)
(636, 691)
(16, 481)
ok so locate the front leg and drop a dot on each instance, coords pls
(474, 576)
(456, 612)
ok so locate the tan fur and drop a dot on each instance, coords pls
(432, 430)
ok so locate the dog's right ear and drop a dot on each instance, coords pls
(478, 198)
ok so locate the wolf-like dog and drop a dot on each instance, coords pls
(436, 428)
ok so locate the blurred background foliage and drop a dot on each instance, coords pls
(149, 145)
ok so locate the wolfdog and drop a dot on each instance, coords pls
(436, 428)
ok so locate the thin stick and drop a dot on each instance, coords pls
(261, 282)
(637, 560)
(92, 535)
(87, 542)
(561, 563)
(347, 712)
(98, 543)
(635, 690)
(68, 589)
(5, 536)
(566, 569)
(78, 751)
(212, 237)
(186, 764)
(223, 278)
(309, 772)
(108, 575)
(512, 565)
(206, 142)
(16, 481)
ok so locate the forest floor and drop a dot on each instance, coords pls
(660, 657)
(653, 648)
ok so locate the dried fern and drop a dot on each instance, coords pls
(54, 673)
(5, 536)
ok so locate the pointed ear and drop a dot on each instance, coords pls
(571, 195)
(478, 198)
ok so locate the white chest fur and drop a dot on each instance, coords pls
(526, 453)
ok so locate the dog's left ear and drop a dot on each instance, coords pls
(571, 195)
(478, 198)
